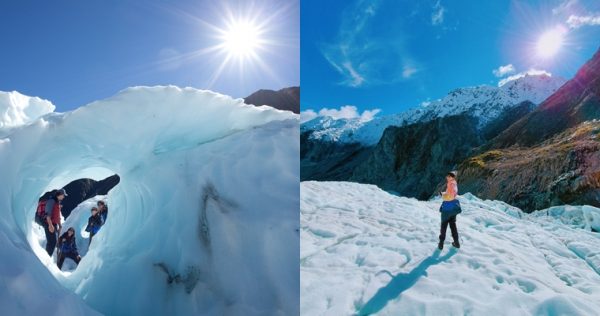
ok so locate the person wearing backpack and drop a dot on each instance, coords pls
(94, 223)
(449, 209)
(68, 248)
(52, 223)
(40, 213)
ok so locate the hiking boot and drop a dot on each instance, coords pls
(455, 244)
(441, 245)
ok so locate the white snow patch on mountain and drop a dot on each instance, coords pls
(483, 102)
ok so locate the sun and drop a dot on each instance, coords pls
(241, 39)
(550, 42)
(236, 41)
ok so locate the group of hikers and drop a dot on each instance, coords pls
(48, 215)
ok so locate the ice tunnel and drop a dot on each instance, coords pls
(203, 221)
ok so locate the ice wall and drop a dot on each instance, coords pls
(204, 221)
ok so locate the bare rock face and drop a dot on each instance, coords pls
(287, 99)
(562, 170)
(324, 160)
(411, 160)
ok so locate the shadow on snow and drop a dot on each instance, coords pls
(402, 282)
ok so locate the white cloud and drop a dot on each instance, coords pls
(576, 21)
(408, 71)
(530, 72)
(437, 17)
(344, 112)
(504, 70)
(307, 115)
(362, 53)
(564, 7)
(368, 115)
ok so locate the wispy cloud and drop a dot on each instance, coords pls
(437, 17)
(504, 70)
(344, 112)
(356, 78)
(577, 21)
(364, 55)
(408, 71)
(530, 72)
(564, 7)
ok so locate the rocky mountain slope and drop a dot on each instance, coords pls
(549, 157)
(412, 159)
(575, 102)
(287, 99)
(562, 170)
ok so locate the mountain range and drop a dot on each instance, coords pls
(530, 142)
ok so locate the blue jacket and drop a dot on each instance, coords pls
(449, 209)
(94, 224)
(68, 244)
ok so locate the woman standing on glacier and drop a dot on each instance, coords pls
(449, 209)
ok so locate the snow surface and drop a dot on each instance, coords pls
(364, 251)
(484, 102)
(208, 200)
(17, 109)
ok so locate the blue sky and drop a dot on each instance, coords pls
(75, 52)
(393, 54)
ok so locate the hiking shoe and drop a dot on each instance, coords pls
(455, 244)
(441, 245)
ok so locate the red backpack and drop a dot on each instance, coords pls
(40, 213)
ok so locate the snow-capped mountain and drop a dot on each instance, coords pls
(483, 102)
(204, 219)
(366, 252)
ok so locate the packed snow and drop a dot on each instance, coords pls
(204, 220)
(365, 251)
(483, 102)
(17, 109)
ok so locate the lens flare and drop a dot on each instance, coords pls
(550, 42)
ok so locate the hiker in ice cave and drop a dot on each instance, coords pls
(68, 248)
(94, 223)
(52, 224)
(449, 209)
(103, 210)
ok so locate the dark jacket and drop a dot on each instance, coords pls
(94, 223)
(104, 214)
(68, 244)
